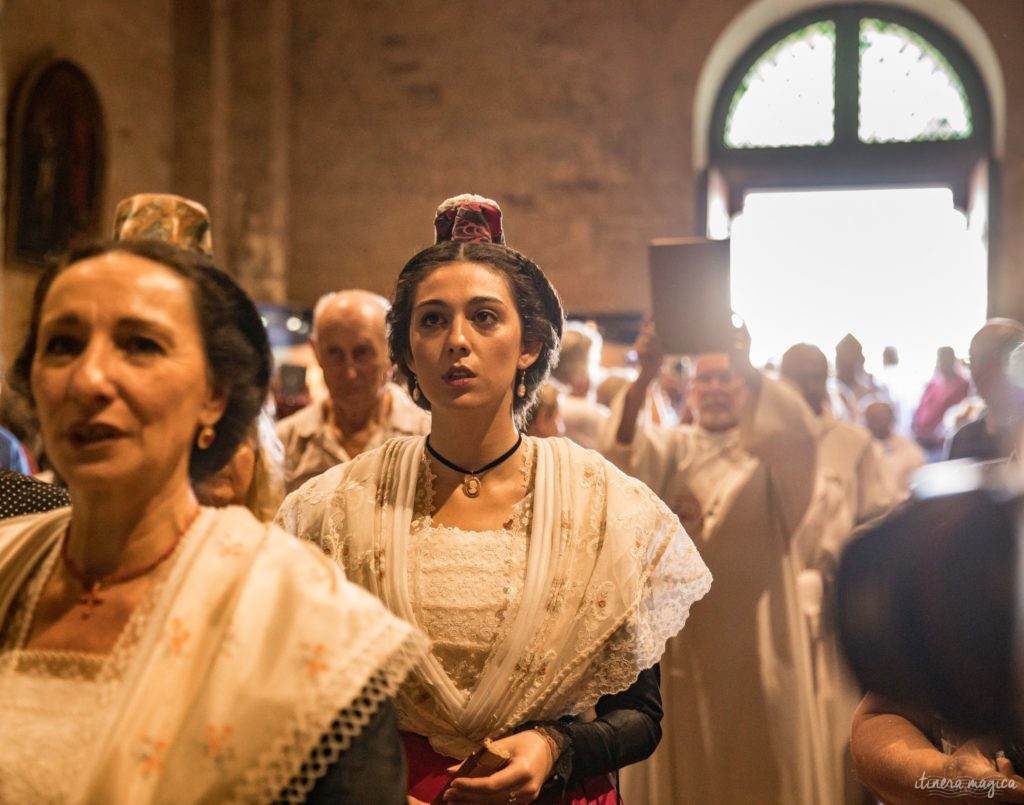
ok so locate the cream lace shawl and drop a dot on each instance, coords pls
(611, 575)
(251, 647)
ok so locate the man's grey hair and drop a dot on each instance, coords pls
(368, 296)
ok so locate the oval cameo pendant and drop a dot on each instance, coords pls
(471, 486)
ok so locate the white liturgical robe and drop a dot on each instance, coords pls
(853, 486)
(740, 723)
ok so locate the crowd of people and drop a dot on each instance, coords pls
(615, 580)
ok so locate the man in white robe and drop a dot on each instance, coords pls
(903, 456)
(851, 382)
(846, 450)
(739, 710)
(854, 485)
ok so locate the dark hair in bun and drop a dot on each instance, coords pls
(471, 222)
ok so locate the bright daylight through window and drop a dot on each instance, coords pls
(897, 266)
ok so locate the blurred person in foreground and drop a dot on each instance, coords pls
(927, 603)
(740, 710)
(928, 607)
(363, 408)
(153, 650)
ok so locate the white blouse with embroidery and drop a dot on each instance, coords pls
(54, 699)
(466, 585)
(568, 601)
(48, 724)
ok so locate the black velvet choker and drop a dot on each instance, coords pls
(472, 481)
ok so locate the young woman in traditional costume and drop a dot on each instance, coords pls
(547, 580)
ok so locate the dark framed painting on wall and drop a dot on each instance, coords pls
(55, 169)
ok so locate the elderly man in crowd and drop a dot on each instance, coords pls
(364, 408)
(739, 708)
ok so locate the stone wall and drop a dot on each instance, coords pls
(322, 134)
(577, 116)
(1003, 20)
(125, 49)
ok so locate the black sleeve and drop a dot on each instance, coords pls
(372, 769)
(627, 730)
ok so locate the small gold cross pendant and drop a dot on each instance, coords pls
(90, 598)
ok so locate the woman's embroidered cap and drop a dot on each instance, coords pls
(161, 216)
(469, 218)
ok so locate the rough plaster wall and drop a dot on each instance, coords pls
(125, 49)
(575, 116)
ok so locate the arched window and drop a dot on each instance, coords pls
(850, 161)
(854, 95)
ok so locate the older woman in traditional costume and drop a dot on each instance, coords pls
(254, 474)
(547, 580)
(153, 651)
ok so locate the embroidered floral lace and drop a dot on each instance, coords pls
(619, 581)
(466, 585)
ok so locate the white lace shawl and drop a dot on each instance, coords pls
(611, 575)
(252, 647)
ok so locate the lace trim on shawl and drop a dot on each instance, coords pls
(517, 526)
(319, 733)
(637, 640)
(71, 665)
(643, 635)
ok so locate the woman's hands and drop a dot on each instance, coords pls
(519, 782)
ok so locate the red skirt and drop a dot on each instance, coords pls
(428, 775)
